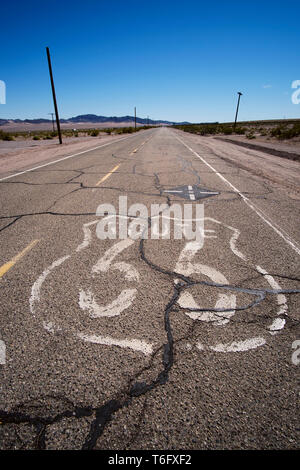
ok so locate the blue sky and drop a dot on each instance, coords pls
(173, 60)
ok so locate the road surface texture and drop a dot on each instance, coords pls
(151, 343)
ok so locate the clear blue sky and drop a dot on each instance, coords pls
(174, 60)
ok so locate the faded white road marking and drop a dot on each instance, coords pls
(126, 297)
(171, 191)
(87, 301)
(186, 300)
(50, 326)
(208, 192)
(278, 324)
(281, 298)
(116, 307)
(286, 237)
(224, 301)
(36, 288)
(105, 261)
(64, 158)
(130, 273)
(237, 346)
(185, 266)
(87, 235)
(2, 352)
(135, 344)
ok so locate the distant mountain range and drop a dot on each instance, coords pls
(91, 118)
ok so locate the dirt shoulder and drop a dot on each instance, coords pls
(290, 150)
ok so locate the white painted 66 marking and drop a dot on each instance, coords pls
(226, 302)
(87, 301)
(185, 266)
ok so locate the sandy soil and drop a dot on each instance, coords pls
(292, 145)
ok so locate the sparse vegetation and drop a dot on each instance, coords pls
(279, 129)
(48, 135)
(240, 130)
(6, 136)
(94, 133)
(250, 135)
(211, 129)
(286, 132)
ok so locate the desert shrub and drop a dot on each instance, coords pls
(211, 129)
(5, 136)
(47, 137)
(94, 132)
(36, 137)
(125, 130)
(276, 131)
(240, 130)
(250, 135)
(282, 132)
(227, 130)
(295, 130)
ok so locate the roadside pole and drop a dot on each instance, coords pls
(54, 97)
(237, 109)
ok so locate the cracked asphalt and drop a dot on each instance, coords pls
(151, 343)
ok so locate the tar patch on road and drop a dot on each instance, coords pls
(193, 193)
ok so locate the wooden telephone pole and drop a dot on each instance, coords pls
(54, 96)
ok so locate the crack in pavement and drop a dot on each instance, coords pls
(105, 412)
(82, 186)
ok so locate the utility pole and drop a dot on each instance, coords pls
(135, 119)
(237, 109)
(52, 114)
(54, 97)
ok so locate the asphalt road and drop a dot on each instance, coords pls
(149, 343)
